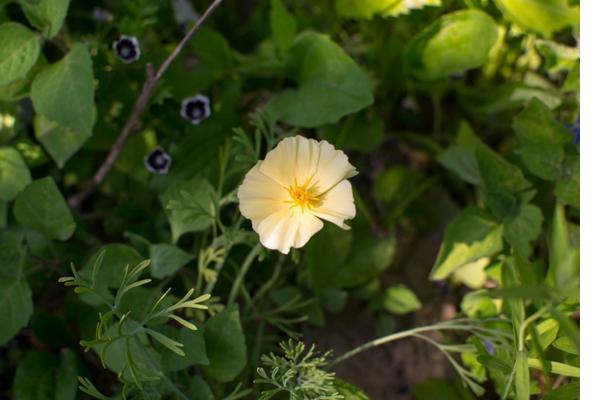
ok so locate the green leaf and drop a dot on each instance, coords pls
(454, 43)
(356, 133)
(568, 391)
(348, 391)
(194, 347)
(523, 228)
(567, 187)
(16, 305)
(563, 343)
(111, 267)
(34, 378)
(19, 50)
(558, 57)
(41, 207)
(47, 15)
(14, 174)
(64, 91)
(189, 206)
(542, 16)
(397, 187)
(366, 9)
(331, 85)
(46, 376)
(400, 300)
(167, 259)
(563, 271)
(473, 235)
(283, 26)
(61, 143)
(542, 139)
(521, 377)
(460, 158)
(225, 345)
(478, 304)
(339, 259)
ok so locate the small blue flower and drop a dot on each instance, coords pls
(489, 346)
(575, 129)
(158, 162)
(196, 108)
(127, 49)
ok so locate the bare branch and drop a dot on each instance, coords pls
(138, 109)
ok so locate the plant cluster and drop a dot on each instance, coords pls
(129, 268)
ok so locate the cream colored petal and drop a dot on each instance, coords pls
(287, 228)
(301, 160)
(337, 204)
(331, 169)
(280, 163)
(260, 196)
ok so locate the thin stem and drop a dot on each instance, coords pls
(240, 276)
(139, 107)
(401, 335)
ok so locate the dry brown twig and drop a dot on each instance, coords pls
(152, 79)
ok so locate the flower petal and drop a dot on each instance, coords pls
(337, 204)
(300, 160)
(260, 196)
(288, 228)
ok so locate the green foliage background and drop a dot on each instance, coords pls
(459, 115)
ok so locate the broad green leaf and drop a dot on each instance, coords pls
(16, 305)
(355, 133)
(34, 378)
(366, 9)
(14, 174)
(348, 391)
(436, 389)
(523, 228)
(283, 25)
(473, 235)
(189, 206)
(19, 50)
(400, 300)
(478, 304)
(64, 91)
(212, 48)
(454, 43)
(568, 391)
(521, 377)
(563, 271)
(66, 376)
(41, 207)
(167, 259)
(563, 343)
(472, 274)
(396, 188)
(225, 345)
(330, 84)
(542, 139)
(567, 187)
(61, 143)
(111, 266)
(199, 389)
(47, 15)
(542, 16)
(460, 158)
(194, 347)
(339, 259)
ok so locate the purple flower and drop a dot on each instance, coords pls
(158, 162)
(195, 109)
(489, 346)
(127, 49)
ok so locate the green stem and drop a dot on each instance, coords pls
(240, 276)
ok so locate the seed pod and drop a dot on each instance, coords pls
(127, 49)
(195, 109)
(158, 162)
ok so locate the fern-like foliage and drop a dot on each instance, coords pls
(299, 373)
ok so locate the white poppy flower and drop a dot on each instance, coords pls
(300, 182)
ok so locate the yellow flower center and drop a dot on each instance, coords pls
(301, 196)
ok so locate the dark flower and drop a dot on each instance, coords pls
(575, 130)
(127, 48)
(195, 108)
(158, 162)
